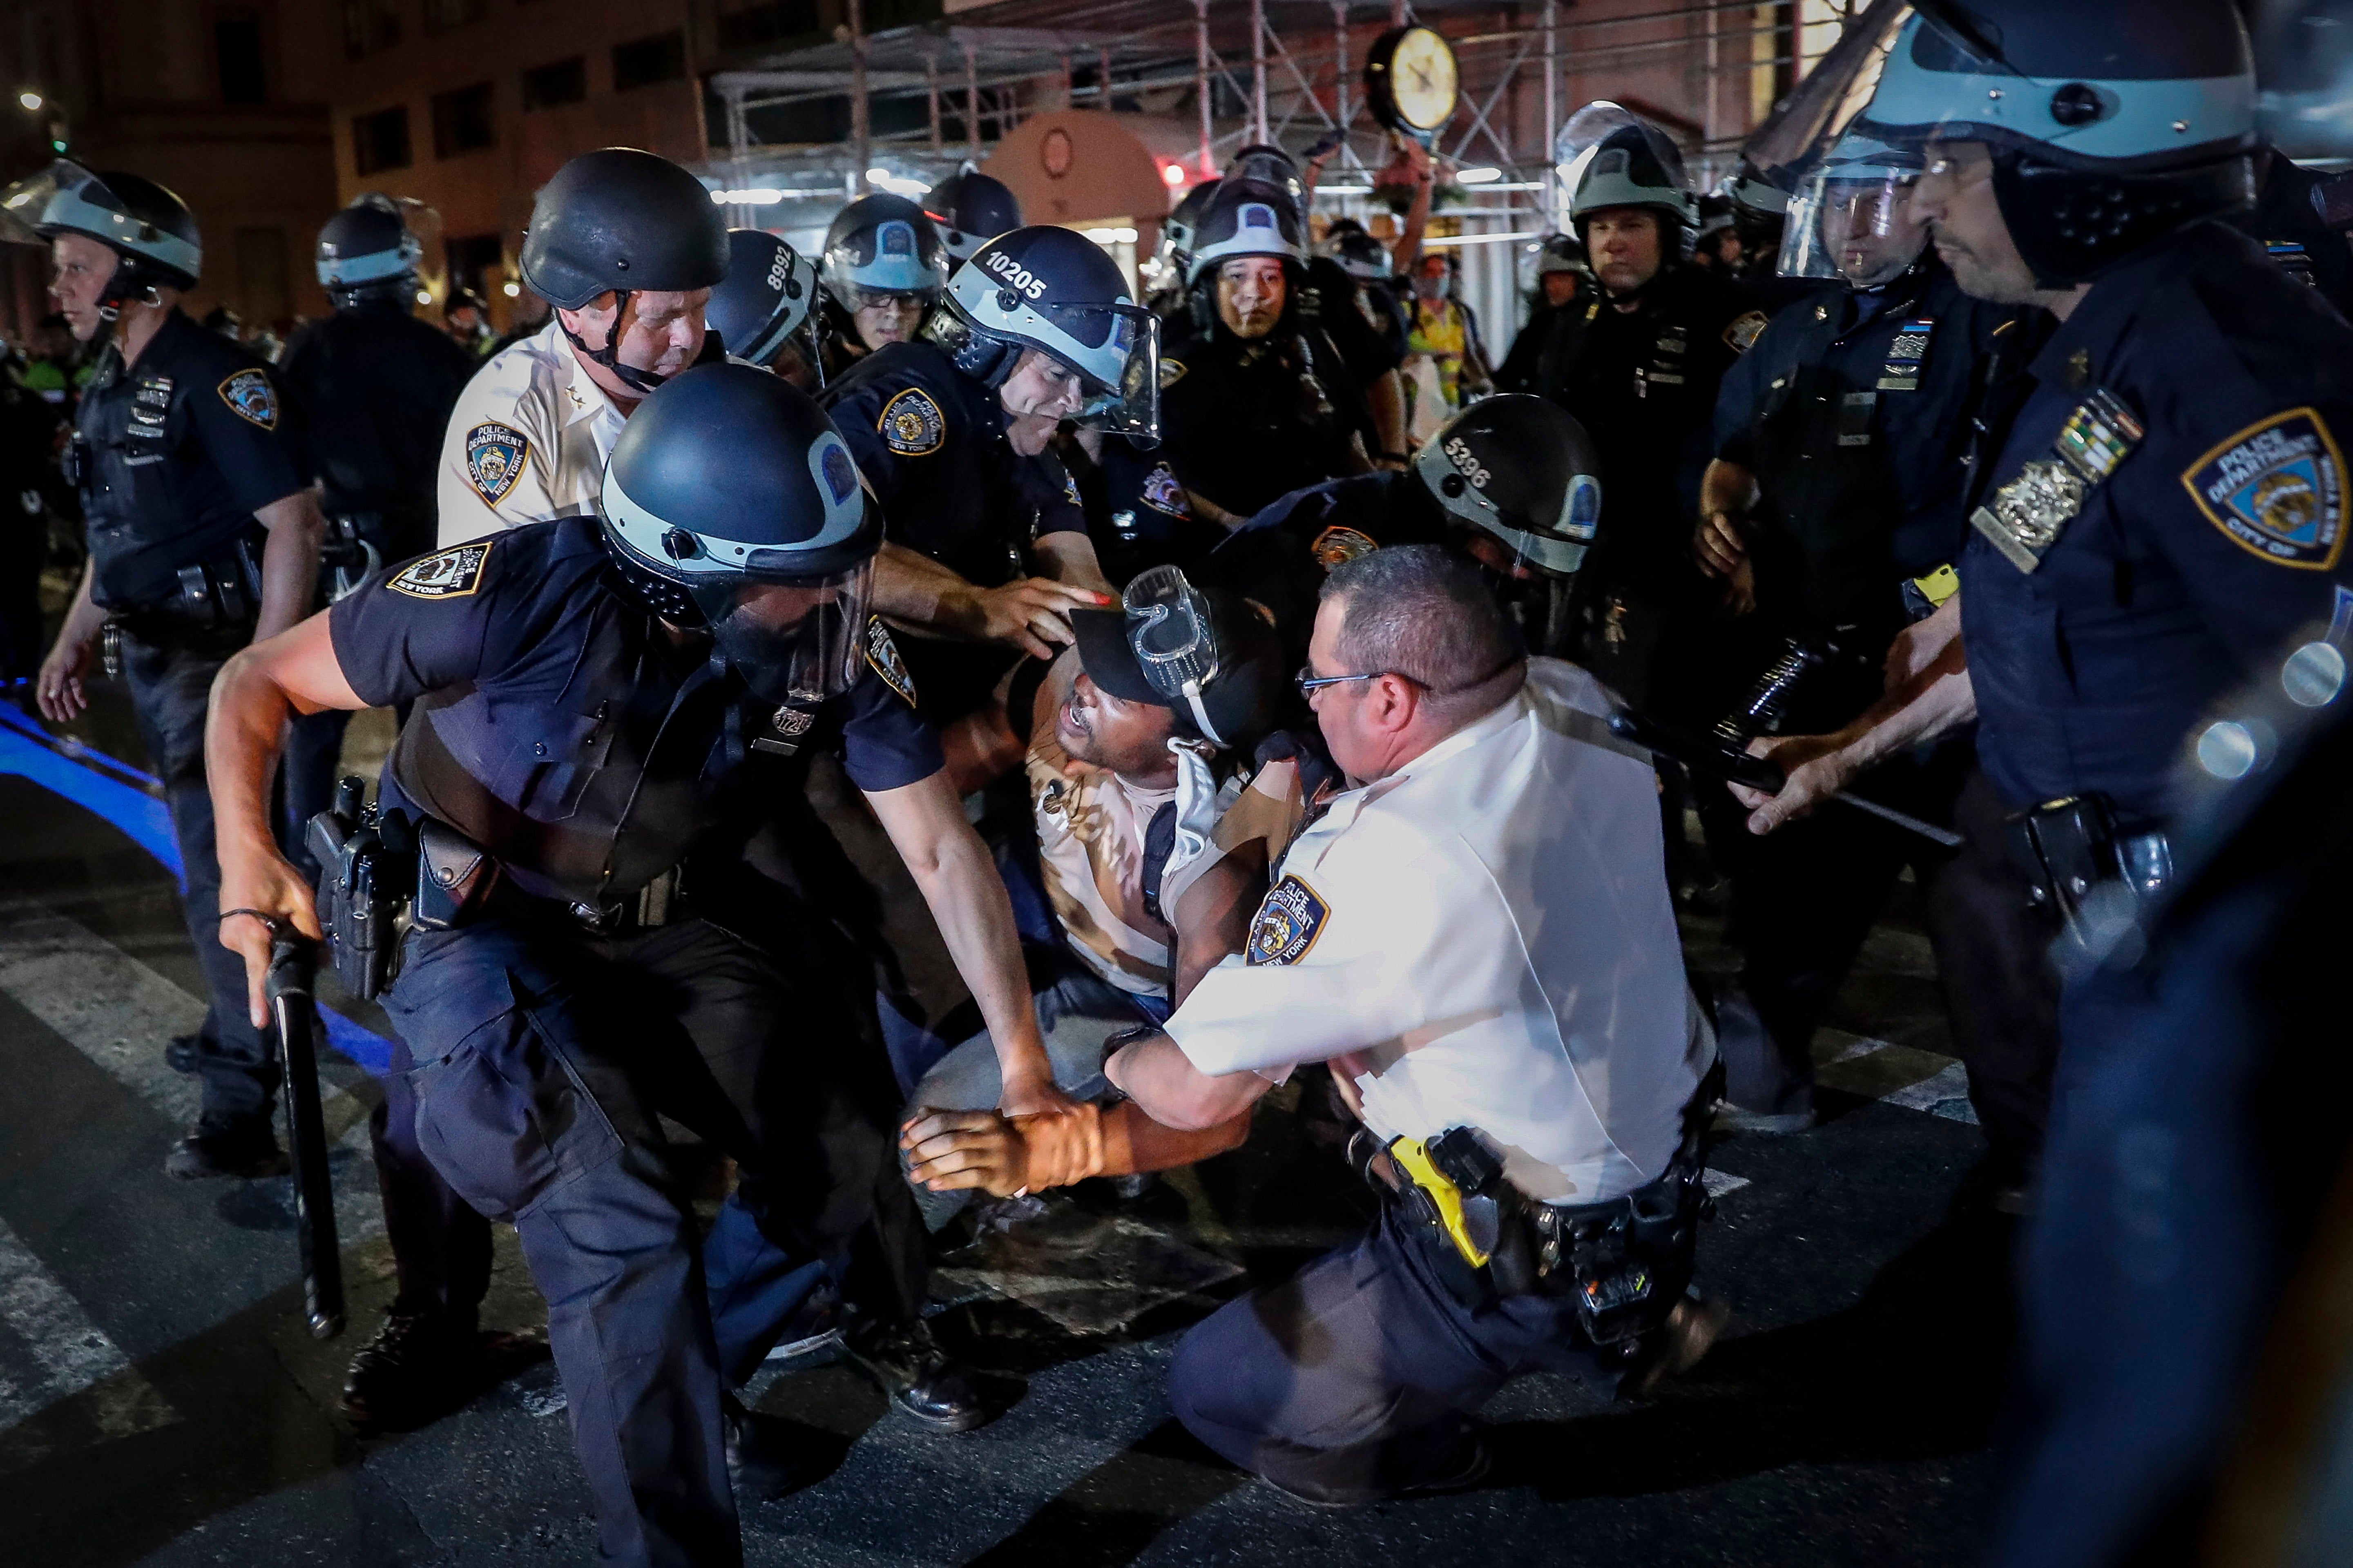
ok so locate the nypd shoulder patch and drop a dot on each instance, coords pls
(1162, 493)
(251, 398)
(883, 656)
(1742, 334)
(912, 424)
(1287, 923)
(1335, 547)
(496, 456)
(452, 575)
(1172, 371)
(2276, 490)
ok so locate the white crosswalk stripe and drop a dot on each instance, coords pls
(64, 1351)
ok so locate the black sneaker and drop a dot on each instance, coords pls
(907, 1364)
(244, 1147)
(422, 1365)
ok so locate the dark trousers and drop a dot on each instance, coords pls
(1806, 895)
(440, 1245)
(168, 690)
(542, 1060)
(1356, 1379)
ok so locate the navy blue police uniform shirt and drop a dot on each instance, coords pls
(931, 441)
(1244, 422)
(1851, 410)
(375, 386)
(1281, 555)
(178, 452)
(559, 726)
(2180, 432)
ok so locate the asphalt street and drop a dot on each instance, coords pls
(161, 1403)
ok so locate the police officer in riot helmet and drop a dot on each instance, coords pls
(1336, 301)
(203, 535)
(988, 542)
(1171, 265)
(1561, 277)
(2156, 518)
(884, 265)
(626, 247)
(1831, 511)
(765, 311)
(638, 923)
(1510, 481)
(969, 209)
(1258, 401)
(1638, 365)
(375, 386)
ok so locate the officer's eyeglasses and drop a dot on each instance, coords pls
(1310, 683)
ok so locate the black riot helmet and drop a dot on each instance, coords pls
(883, 245)
(732, 504)
(151, 229)
(1054, 289)
(1271, 167)
(770, 291)
(1635, 165)
(621, 221)
(368, 253)
(1519, 469)
(969, 209)
(2107, 130)
(1246, 218)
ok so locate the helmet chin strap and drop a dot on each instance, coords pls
(645, 383)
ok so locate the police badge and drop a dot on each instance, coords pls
(912, 424)
(251, 398)
(1287, 925)
(496, 454)
(2027, 514)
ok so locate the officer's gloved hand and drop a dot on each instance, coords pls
(951, 1150)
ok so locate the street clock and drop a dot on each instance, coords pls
(1412, 83)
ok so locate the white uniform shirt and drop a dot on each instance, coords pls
(1483, 939)
(527, 441)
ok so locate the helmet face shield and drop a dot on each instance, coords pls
(791, 642)
(1111, 346)
(66, 198)
(1851, 222)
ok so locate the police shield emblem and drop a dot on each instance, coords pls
(1162, 493)
(1287, 923)
(251, 398)
(496, 454)
(452, 575)
(2276, 490)
(912, 424)
(883, 656)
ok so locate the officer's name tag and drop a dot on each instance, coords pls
(2276, 490)
(2026, 516)
(1287, 925)
(1901, 373)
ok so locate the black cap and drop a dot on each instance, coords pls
(1243, 703)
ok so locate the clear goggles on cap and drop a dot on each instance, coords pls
(1853, 225)
(791, 642)
(1174, 639)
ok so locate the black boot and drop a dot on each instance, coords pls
(221, 1145)
(421, 1365)
(920, 1378)
(762, 1464)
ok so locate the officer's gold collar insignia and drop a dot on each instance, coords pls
(1172, 371)
(2026, 516)
(249, 395)
(452, 575)
(1742, 334)
(2276, 488)
(912, 424)
(1335, 547)
(882, 657)
(496, 456)
(1288, 922)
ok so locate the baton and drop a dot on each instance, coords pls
(293, 968)
(1756, 773)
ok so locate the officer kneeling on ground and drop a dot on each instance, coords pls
(620, 705)
(1471, 934)
(202, 536)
